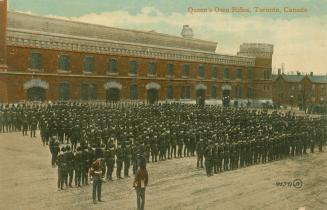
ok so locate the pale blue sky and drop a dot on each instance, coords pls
(299, 39)
(70, 8)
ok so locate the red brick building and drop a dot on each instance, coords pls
(44, 58)
(299, 90)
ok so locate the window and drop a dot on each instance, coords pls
(93, 91)
(300, 86)
(152, 68)
(170, 92)
(170, 69)
(133, 67)
(226, 73)
(185, 92)
(250, 74)
(112, 66)
(88, 64)
(85, 92)
(250, 92)
(133, 92)
(64, 62)
(239, 92)
(213, 91)
(214, 72)
(186, 70)
(36, 61)
(313, 87)
(201, 71)
(239, 73)
(64, 91)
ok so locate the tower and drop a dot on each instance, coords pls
(3, 35)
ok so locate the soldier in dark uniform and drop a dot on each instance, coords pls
(61, 169)
(173, 143)
(199, 153)
(69, 159)
(154, 150)
(208, 159)
(54, 150)
(109, 158)
(180, 145)
(127, 159)
(33, 126)
(85, 166)
(119, 161)
(78, 166)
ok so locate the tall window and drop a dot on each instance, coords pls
(170, 92)
(214, 72)
(64, 91)
(250, 74)
(238, 92)
(170, 69)
(93, 91)
(226, 73)
(152, 68)
(201, 70)
(239, 73)
(213, 91)
(133, 67)
(185, 92)
(88, 64)
(112, 66)
(36, 61)
(186, 70)
(85, 92)
(64, 62)
(250, 92)
(133, 92)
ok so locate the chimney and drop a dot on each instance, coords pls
(187, 32)
(311, 74)
(279, 71)
(3, 35)
(298, 73)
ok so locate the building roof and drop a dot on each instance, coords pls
(67, 27)
(318, 78)
(298, 78)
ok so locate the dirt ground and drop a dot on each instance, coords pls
(27, 181)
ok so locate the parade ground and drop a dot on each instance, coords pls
(28, 182)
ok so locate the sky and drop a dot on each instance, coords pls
(299, 38)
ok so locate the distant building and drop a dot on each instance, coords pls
(45, 58)
(299, 90)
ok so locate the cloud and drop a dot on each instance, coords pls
(300, 43)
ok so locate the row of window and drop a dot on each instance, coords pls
(36, 62)
(89, 91)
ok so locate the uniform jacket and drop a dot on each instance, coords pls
(141, 174)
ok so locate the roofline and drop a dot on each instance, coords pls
(117, 28)
(122, 42)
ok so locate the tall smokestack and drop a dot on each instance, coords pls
(3, 35)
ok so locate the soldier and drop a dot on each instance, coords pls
(61, 169)
(199, 153)
(127, 159)
(208, 159)
(78, 166)
(119, 161)
(109, 159)
(154, 150)
(33, 126)
(54, 150)
(180, 145)
(215, 158)
(85, 166)
(69, 159)
(173, 143)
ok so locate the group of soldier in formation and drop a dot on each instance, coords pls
(223, 139)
